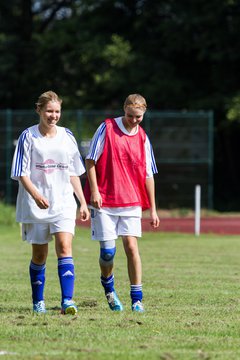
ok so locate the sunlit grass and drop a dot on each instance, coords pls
(191, 296)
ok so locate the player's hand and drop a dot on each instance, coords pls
(96, 200)
(84, 213)
(41, 202)
(155, 222)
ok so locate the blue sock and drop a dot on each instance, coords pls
(66, 277)
(108, 283)
(136, 293)
(37, 277)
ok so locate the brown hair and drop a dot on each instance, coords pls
(45, 97)
(136, 101)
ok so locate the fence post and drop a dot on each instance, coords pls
(197, 209)
(210, 159)
(147, 123)
(79, 125)
(8, 155)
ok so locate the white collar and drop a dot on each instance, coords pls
(119, 123)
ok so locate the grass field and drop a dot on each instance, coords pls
(192, 301)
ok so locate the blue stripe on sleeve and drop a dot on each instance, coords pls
(153, 162)
(68, 131)
(81, 159)
(96, 138)
(19, 155)
(72, 137)
(70, 134)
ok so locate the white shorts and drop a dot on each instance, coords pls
(42, 233)
(107, 227)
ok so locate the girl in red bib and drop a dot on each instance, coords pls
(120, 166)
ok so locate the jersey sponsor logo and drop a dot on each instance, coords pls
(49, 166)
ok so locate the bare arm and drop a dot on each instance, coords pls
(40, 200)
(77, 188)
(96, 199)
(150, 186)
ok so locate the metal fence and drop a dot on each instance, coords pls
(182, 143)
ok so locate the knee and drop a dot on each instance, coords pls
(107, 256)
(39, 259)
(39, 253)
(64, 249)
(131, 249)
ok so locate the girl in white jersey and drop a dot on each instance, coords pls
(47, 164)
(120, 167)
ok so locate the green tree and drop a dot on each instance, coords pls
(179, 54)
(182, 55)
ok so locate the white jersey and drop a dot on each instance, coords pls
(49, 163)
(95, 151)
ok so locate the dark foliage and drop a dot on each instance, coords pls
(179, 54)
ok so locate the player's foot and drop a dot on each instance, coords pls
(114, 302)
(69, 307)
(137, 307)
(39, 307)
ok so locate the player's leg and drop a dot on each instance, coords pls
(134, 271)
(37, 270)
(63, 232)
(133, 259)
(130, 229)
(104, 230)
(38, 236)
(107, 253)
